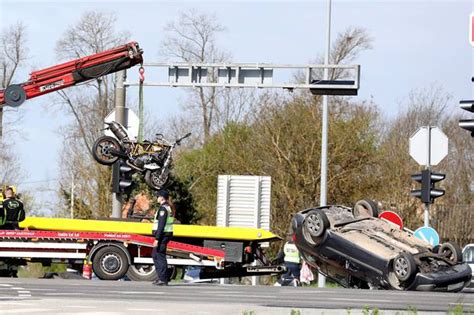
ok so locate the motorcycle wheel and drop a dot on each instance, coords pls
(101, 150)
(156, 179)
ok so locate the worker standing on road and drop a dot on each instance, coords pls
(163, 231)
(13, 209)
(292, 259)
(2, 210)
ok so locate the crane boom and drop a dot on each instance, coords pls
(72, 72)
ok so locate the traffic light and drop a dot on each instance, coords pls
(467, 124)
(428, 192)
(122, 178)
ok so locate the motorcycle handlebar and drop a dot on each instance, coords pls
(178, 142)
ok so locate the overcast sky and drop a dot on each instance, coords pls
(416, 44)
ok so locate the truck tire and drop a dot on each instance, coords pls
(139, 272)
(110, 263)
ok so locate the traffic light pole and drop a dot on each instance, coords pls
(120, 77)
(428, 166)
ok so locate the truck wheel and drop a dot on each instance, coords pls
(110, 263)
(452, 251)
(101, 150)
(365, 208)
(404, 267)
(139, 272)
(147, 273)
(314, 226)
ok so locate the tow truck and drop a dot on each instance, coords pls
(119, 248)
(115, 247)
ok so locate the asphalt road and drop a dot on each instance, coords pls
(51, 296)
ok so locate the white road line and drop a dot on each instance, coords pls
(358, 300)
(64, 293)
(80, 306)
(5, 285)
(143, 310)
(24, 291)
(24, 295)
(17, 288)
(28, 310)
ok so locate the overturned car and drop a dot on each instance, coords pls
(355, 248)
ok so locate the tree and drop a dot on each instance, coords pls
(13, 55)
(192, 38)
(88, 104)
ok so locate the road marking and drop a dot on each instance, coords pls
(24, 291)
(17, 288)
(65, 293)
(5, 285)
(27, 310)
(80, 306)
(143, 309)
(358, 300)
(24, 295)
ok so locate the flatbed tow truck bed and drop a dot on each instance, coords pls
(119, 248)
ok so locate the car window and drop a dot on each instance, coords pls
(468, 255)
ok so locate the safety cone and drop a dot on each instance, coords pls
(87, 270)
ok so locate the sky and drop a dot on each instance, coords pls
(415, 44)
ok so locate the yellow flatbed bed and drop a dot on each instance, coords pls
(179, 230)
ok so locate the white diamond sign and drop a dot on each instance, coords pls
(428, 146)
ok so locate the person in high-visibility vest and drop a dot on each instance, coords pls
(13, 209)
(3, 214)
(163, 232)
(292, 259)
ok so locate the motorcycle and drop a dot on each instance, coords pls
(151, 158)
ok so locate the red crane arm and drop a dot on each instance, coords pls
(72, 72)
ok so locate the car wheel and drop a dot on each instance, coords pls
(452, 251)
(365, 208)
(404, 267)
(314, 226)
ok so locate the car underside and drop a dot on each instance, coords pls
(355, 248)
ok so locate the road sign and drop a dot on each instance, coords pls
(132, 123)
(392, 217)
(428, 235)
(428, 146)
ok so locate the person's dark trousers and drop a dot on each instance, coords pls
(159, 259)
(293, 269)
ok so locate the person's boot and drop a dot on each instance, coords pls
(160, 283)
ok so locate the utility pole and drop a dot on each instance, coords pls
(324, 136)
(72, 195)
(120, 117)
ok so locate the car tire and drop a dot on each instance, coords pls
(404, 267)
(452, 251)
(365, 208)
(110, 263)
(314, 226)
